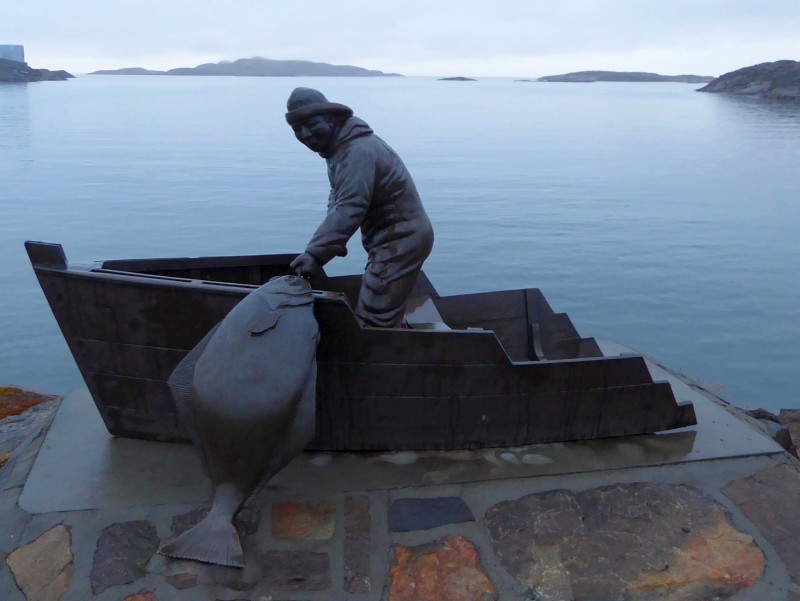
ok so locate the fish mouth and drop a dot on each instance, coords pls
(291, 284)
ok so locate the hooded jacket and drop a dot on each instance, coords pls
(371, 189)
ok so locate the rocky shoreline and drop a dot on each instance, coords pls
(16, 72)
(777, 80)
(21, 412)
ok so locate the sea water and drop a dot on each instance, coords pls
(655, 216)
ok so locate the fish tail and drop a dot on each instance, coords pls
(213, 540)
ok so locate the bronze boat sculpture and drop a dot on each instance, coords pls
(476, 370)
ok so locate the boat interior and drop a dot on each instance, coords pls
(522, 320)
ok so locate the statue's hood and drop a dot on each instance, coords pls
(350, 130)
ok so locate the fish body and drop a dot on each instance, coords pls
(246, 395)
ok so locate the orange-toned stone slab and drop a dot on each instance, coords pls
(769, 499)
(716, 554)
(304, 520)
(636, 542)
(43, 569)
(445, 570)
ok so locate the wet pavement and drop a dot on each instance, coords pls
(701, 513)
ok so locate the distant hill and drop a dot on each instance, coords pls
(128, 71)
(592, 76)
(780, 79)
(259, 67)
(16, 72)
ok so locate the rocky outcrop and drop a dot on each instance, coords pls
(780, 79)
(21, 412)
(16, 72)
(592, 76)
(258, 67)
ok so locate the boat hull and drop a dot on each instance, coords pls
(505, 370)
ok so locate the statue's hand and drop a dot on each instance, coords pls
(305, 264)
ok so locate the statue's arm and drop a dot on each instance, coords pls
(352, 181)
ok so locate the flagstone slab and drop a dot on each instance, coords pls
(295, 570)
(635, 541)
(769, 500)
(448, 569)
(43, 569)
(182, 522)
(13, 522)
(357, 544)
(406, 515)
(307, 520)
(121, 554)
(21, 460)
(182, 581)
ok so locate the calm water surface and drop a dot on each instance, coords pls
(655, 216)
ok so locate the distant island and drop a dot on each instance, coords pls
(456, 79)
(780, 80)
(17, 72)
(635, 76)
(258, 67)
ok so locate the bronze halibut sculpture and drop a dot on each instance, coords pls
(371, 189)
(246, 394)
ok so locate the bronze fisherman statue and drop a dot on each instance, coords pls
(371, 189)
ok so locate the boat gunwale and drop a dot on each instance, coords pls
(117, 277)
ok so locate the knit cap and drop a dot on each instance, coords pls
(305, 103)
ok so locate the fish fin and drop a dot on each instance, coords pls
(262, 324)
(180, 385)
(213, 540)
(182, 391)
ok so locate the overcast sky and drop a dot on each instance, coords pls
(504, 38)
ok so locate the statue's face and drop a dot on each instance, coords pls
(315, 132)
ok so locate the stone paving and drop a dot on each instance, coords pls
(699, 515)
